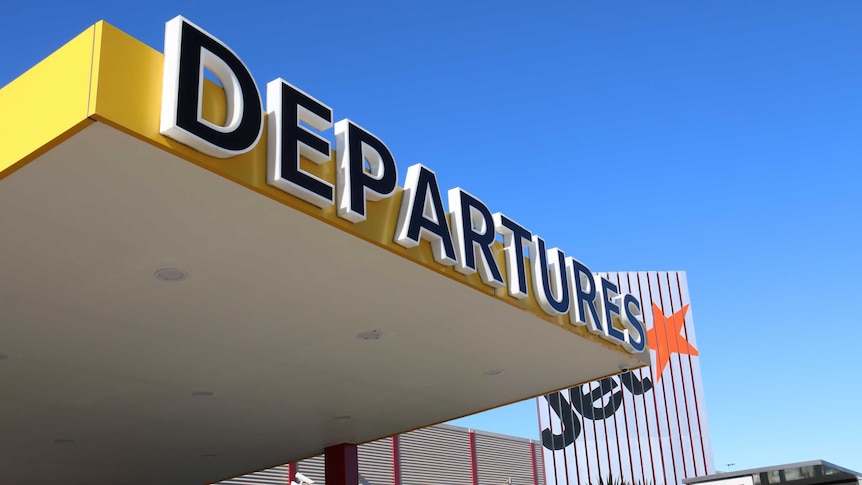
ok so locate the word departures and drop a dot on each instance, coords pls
(366, 170)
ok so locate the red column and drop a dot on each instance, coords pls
(342, 464)
(396, 460)
(291, 472)
(533, 461)
(473, 465)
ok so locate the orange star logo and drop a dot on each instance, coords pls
(665, 337)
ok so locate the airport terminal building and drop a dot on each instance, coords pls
(203, 286)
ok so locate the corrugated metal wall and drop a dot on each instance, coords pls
(313, 468)
(375, 463)
(438, 455)
(538, 455)
(503, 460)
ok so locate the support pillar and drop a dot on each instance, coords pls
(342, 464)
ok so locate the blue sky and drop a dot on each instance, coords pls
(722, 138)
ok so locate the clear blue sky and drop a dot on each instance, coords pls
(722, 138)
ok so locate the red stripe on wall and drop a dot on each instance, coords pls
(562, 428)
(694, 391)
(643, 396)
(533, 462)
(565, 456)
(553, 452)
(664, 387)
(539, 419)
(583, 438)
(635, 407)
(684, 393)
(655, 402)
(474, 470)
(595, 436)
(575, 444)
(625, 421)
(396, 460)
(673, 376)
(607, 437)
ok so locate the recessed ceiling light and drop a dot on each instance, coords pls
(493, 372)
(63, 441)
(343, 417)
(203, 394)
(369, 335)
(171, 275)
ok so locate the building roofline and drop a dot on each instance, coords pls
(755, 471)
(483, 433)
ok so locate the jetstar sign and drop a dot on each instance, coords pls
(604, 400)
(366, 170)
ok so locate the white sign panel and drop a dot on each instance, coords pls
(647, 425)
